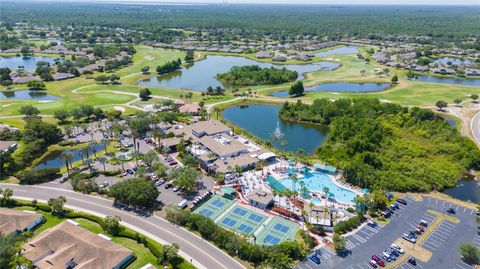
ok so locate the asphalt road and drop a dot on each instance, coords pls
(201, 253)
(476, 128)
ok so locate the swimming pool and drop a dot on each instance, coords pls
(315, 181)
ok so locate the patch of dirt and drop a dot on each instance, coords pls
(148, 57)
(119, 108)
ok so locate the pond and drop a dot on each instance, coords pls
(340, 87)
(28, 95)
(27, 63)
(54, 159)
(448, 80)
(263, 121)
(466, 190)
(202, 74)
(453, 60)
(341, 50)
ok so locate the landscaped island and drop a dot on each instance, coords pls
(255, 75)
(388, 146)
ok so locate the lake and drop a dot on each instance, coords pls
(341, 50)
(263, 121)
(54, 159)
(340, 87)
(466, 190)
(202, 74)
(28, 63)
(453, 60)
(28, 95)
(448, 80)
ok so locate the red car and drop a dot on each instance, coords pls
(378, 260)
(373, 264)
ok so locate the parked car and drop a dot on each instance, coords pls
(373, 264)
(409, 238)
(387, 255)
(130, 171)
(168, 185)
(159, 183)
(401, 201)
(175, 189)
(372, 224)
(451, 211)
(314, 258)
(397, 248)
(424, 223)
(412, 261)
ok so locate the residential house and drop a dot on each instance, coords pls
(16, 221)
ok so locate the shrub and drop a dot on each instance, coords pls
(350, 210)
(348, 225)
(34, 176)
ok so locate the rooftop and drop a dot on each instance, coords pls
(15, 220)
(66, 243)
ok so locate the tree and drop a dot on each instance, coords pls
(146, 70)
(7, 193)
(457, 101)
(136, 192)
(150, 157)
(145, 94)
(170, 253)
(61, 115)
(138, 126)
(185, 178)
(114, 78)
(103, 161)
(112, 225)
(441, 104)
(470, 253)
(102, 79)
(339, 242)
(57, 204)
(410, 74)
(190, 56)
(278, 260)
(296, 89)
(29, 110)
(395, 79)
(25, 51)
(474, 97)
(8, 251)
(67, 157)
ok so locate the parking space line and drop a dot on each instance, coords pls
(443, 237)
(427, 246)
(365, 232)
(306, 264)
(464, 209)
(443, 203)
(409, 265)
(471, 212)
(462, 264)
(360, 266)
(435, 242)
(368, 265)
(359, 238)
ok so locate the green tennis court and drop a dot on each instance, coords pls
(214, 207)
(277, 230)
(268, 230)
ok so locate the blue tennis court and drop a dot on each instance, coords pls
(218, 203)
(245, 228)
(271, 240)
(255, 217)
(206, 212)
(281, 228)
(229, 222)
(239, 211)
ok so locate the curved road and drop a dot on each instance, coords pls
(476, 128)
(201, 253)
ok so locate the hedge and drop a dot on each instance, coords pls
(348, 225)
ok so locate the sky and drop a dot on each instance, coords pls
(324, 2)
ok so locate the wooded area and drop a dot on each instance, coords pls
(387, 146)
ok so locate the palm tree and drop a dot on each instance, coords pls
(326, 190)
(93, 146)
(67, 157)
(103, 161)
(89, 163)
(325, 212)
(136, 155)
(104, 143)
(294, 181)
(311, 206)
(86, 152)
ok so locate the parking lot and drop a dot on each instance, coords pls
(443, 242)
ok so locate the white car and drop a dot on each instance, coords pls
(397, 248)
